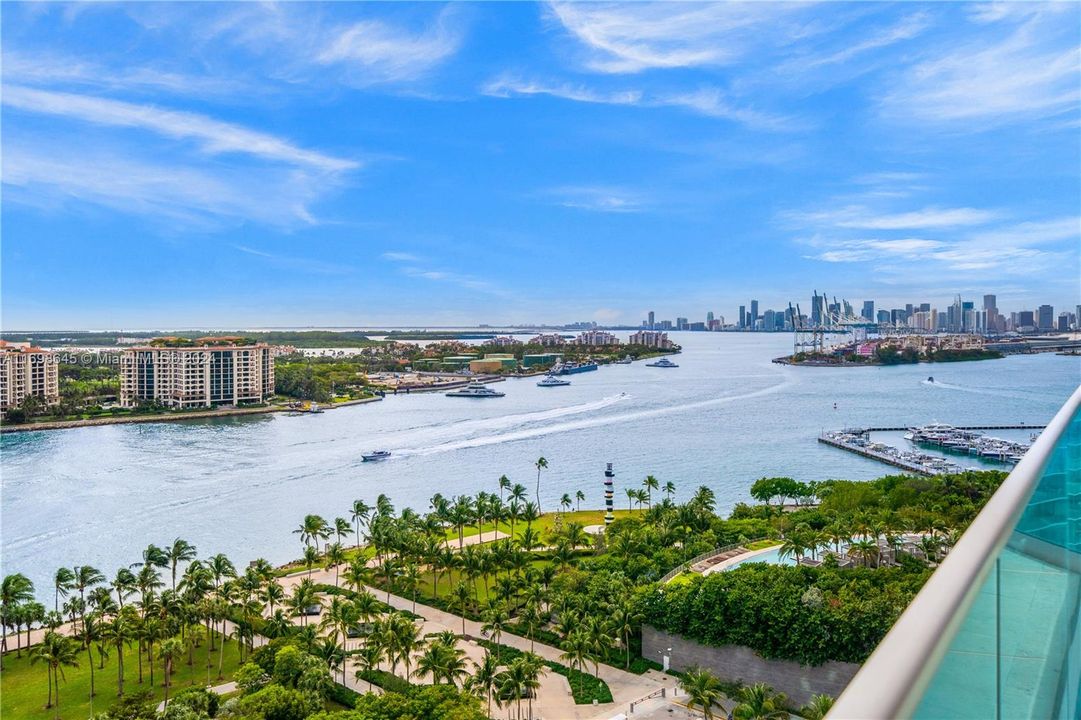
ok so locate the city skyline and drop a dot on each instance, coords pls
(339, 165)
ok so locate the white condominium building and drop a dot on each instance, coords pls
(650, 338)
(596, 337)
(196, 376)
(27, 371)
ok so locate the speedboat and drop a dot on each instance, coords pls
(377, 455)
(475, 390)
(552, 381)
(662, 363)
(930, 378)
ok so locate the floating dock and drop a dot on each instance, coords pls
(836, 441)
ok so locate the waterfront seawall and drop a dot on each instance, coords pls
(738, 663)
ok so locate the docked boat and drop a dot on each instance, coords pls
(475, 390)
(662, 363)
(315, 408)
(626, 360)
(552, 381)
(573, 368)
(374, 456)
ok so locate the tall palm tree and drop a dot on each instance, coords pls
(632, 494)
(650, 484)
(369, 658)
(625, 618)
(123, 585)
(313, 528)
(577, 651)
(669, 489)
(496, 620)
(63, 583)
(579, 496)
(333, 558)
(180, 551)
(361, 512)
(15, 590)
(85, 577)
(273, 595)
(462, 596)
(504, 484)
(759, 702)
(119, 633)
(56, 652)
(565, 502)
(483, 679)
(168, 652)
(311, 557)
(702, 688)
(92, 632)
(541, 464)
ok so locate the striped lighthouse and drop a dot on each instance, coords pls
(609, 475)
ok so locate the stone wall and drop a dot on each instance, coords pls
(735, 662)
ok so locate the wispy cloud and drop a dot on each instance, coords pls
(396, 256)
(859, 217)
(213, 136)
(597, 198)
(708, 101)
(414, 266)
(908, 28)
(296, 264)
(1030, 73)
(631, 37)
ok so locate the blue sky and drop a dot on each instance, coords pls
(302, 164)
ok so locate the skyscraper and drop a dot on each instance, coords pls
(742, 316)
(651, 322)
(868, 310)
(1045, 318)
(752, 321)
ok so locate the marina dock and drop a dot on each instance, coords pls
(844, 441)
(1022, 426)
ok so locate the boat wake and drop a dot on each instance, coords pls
(974, 390)
(528, 433)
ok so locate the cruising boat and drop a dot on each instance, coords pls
(662, 363)
(552, 381)
(475, 390)
(374, 456)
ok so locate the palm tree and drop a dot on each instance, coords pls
(640, 497)
(15, 590)
(63, 582)
(361, 512)
(311, 557)
(123, 585)
(169, 651)
(496, 620)
(462, 596)
(92, 632)
(669, 489)
(334, 557)
(631, 495)
(504, 484)
(577, 649)
(541, 465)
(118, 633)
(304, 596)
(85, 577)
(702, 688)
(443, 661)
(179, 551)
(579, 496)
(624, 619)
(273, 595)
(817, 708)
(483, 679)
(565, 502)
(56, 652)
(650, 484)
(759, 702)
(314, 528)
(369, 658)
(341, 528)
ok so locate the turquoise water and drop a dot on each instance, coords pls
(773, 557)
(725, 417)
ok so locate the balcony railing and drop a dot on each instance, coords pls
(996, 631)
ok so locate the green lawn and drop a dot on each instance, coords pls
(24, 687)
(450, 578)
(544, 523)
(762, 544)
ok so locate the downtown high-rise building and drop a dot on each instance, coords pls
(1045, 317)
(742, 316)
(868, 312)
(752, 321)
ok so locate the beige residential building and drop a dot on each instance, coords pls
(196, 376)
(27, 371)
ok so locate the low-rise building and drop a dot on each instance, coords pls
(194, 376)
(493, 363)
(27, 371)
(504, 341)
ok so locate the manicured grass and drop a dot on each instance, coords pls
(365, 551)
(760, 544)
(585, 688)
(543, 524)
(24, 687)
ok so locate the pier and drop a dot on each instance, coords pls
(838, 441)
(1022, 426)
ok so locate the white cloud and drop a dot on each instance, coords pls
(296, 264)
(387, 53)
(860, 217)
(214, 136)
(631, 37)
(1032, 72)
(395, 256)
(597, 198)
(908, 28)
(508, 86)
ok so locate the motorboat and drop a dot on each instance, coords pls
(930, 378)
(552, 381)
(626, 360)
(662, 363)
(376, 455)
(475, 390)
(572, 368)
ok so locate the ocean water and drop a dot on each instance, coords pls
(725, 417)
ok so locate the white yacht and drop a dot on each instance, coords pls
(552, 381)
(662, 363)
(376, 455)
(475, 390)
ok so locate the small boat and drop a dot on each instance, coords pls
(315, 408)
(552, 381)
(475, 390)
(662, 363)
(626, 360)
(930, 378)
(374, 456)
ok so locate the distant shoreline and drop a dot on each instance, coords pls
(166, 417)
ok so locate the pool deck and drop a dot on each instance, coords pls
(741, 558)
